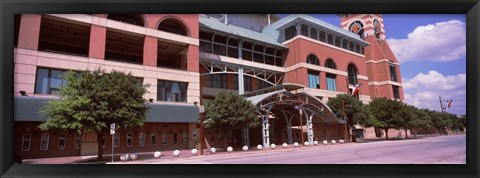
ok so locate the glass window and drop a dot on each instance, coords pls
(396, 93)
(164, 138)
(313, 33)
(312, 59)
(262, 84)
(116, 140)
(330, 64)
(304, 30)
(352, 74)
(331, 82)
(313, 79)
(27, 138)
(78, 140)
(393, 72)
(129, 139)
(172, 91)
(175, 140)
(44, 142)
(247, 83)
(48, 81)
(61, 141)
(217, 81)
(141, 139)
(290, 32)
(154, 139)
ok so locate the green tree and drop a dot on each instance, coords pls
(383, 111)
(229, 111)
(354, 109)
(92, 100)
(407, 118)
(423, 121)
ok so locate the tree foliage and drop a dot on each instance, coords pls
(92, 100)
(229, 111)
(354, 109)
(383, 111)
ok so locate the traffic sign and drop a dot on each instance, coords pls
(201, 109)
(112, 128)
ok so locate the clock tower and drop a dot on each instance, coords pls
(382, 65)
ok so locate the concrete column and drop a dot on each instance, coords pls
(246, 136)
(29, 32)
(241, 87)
(310, 129)
(98, 38)
(265, 131)
(150, 51)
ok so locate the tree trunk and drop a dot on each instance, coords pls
(406, 134)
(100, 148)
(386, 134)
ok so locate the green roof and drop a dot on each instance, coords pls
(214, 25)
(26, 108)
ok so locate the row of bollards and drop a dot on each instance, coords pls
(176, 153)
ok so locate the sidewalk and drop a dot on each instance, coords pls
(419, 136)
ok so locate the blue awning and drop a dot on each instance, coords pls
(26, 108)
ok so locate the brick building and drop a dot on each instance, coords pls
(189, 58)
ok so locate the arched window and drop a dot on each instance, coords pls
(312, 59)
(172, 25)
(352, 74)
(330, 64)
(377, 27)
(134, 19)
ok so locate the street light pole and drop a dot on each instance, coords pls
(201, 133)
(301, 124)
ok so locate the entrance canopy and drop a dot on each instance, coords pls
(289, 100)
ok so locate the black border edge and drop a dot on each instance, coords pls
(473, 97)
(8, 7)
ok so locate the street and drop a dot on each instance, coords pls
(449, 149)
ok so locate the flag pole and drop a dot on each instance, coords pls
(441, 105)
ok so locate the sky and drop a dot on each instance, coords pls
(431, 50)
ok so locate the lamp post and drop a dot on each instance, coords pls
(201, 111)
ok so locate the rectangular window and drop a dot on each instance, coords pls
(154, 139)
(393, 73)
(78, 140)
(396, 94)
(247, 83)
(235, 81)
(141, 139)
(61, 141)
(48, 81)
(217, 81)
(172, 91)
(262, 84)
(164, 138)
(129, 139)
(116, 140)
(44, 142)
(313, 79)
(175, 138)
(331, 82)
(27, 139)
(290, 32)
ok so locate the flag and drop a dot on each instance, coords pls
(449, 103)
(355, 89)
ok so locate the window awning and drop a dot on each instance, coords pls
(26, 108)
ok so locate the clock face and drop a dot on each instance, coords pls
(357, 27)
(377, 26)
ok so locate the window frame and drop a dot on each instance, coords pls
(129, 138)
(47, 142)
(116, 137)
(164, 138)
(140, 139)
(77, 135)
(182, 95)
(315, 79)
(29, 142)
(153, 139)
(64, 141)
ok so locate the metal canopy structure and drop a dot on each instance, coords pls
(288, 101)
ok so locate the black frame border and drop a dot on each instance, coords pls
(9, 7)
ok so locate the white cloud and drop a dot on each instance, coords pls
(423, 90)
(442, 41)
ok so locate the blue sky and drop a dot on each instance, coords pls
(431, 52)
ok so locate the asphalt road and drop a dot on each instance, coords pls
(449, 149)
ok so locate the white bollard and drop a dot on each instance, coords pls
(176, 153)
(306, 143)
(285, 145)
(333, 142)
(134, 156)
(157, 154)
(213, 150)
(245, 148)
(229, 149)
(194, 151)
(272, 146)
(259, 147)
(325, 142)
(295, 144)
(124, 157)
(315, 142)
(341, 141)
